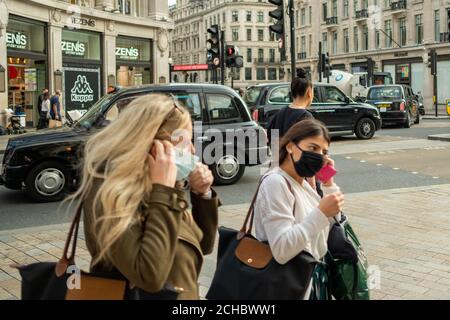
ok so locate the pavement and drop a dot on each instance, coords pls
(440, 137)
(404, 233)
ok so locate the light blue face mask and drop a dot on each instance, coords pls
(185, 162)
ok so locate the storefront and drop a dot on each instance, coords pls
(407, 71)
(82, 69)
(26, 44)
(134, 61)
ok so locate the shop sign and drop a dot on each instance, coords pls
(83, 22)
(190, 67)
(81, 88)
(127, 53)
(16, 40)
(72, 48)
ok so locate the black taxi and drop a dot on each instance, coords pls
(46, 163)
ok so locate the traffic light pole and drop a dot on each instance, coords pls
(222, 58)
(292, 26)
(320, 61)
(435, 93)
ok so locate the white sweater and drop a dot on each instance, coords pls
(275, 222)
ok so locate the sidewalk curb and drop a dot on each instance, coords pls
(434, 118)
(440, 137)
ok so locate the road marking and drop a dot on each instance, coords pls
(414, 172)
(396, 168)
(363, 161)
(436, 178)
(348, 158)
(391, 152)
(379, 164)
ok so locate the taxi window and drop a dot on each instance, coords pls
(281, 95)
(190, 101)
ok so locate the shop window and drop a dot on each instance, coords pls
(81, 45)
(25, 36)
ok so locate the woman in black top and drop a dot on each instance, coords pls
(303, 95)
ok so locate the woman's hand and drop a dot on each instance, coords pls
(161, 159)
(332, 204)
(201, 179)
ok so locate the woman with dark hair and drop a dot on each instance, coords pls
(289, 213)
(302, 97)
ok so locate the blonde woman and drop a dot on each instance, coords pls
(136, 220)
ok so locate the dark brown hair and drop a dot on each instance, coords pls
(301, 131)
(300, 84)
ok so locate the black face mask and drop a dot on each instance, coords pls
(309, 165)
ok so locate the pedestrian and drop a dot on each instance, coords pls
(136, 216)
(302, 93)
(40, 99)
(55, 106)
(289, 213)
(44, 114)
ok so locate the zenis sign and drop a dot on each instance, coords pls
(16, 40)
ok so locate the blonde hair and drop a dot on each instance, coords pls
(118, 154)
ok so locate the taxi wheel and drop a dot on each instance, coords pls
(365, 129)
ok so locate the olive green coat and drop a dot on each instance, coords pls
(162, 247)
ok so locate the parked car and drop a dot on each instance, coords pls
(339, 113)
(397, 104)
(46, 163)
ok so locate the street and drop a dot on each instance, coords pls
(394, 158)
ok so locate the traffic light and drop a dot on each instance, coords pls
(278, 27)
(230, 56)
(213, 54)
(277, 14)
(432, 61)
(326, 66)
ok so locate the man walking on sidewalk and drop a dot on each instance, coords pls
(55, 106)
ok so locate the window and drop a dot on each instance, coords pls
(335, 8)
(333, 95)
(403, 31)
(260, 74)
(260, 16)
(224, 18)
(437, 25)
(346, 41)
(249, 34)
(388, 30)
(271, 56)
(260, 55)
(235, 34)
(325, 42)
(345, 13)
(248, 74)
(355, 7)
(272, 73)
(325, 11)
(281, 95)
(377, 39)
(124, 6)
(310, 15)
(260, 34)
(365, 38)
(191, 102)
(221, 107)
(271, 36)
(303, 45)
(249, 16)
(303, 17)
(419, 28)
(235, 16)
(355, 39)
(249, 55)
(335, 42)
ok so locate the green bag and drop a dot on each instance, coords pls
(347, 277)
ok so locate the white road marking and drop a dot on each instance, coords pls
(379, 164)
(436, 178)
(414, 172)
(363, 161)
(348, 158)
(396, 168)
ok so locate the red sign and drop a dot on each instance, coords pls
(190, 67)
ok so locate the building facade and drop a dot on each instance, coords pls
(81, 47)
(245, 24)
(396, 34)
